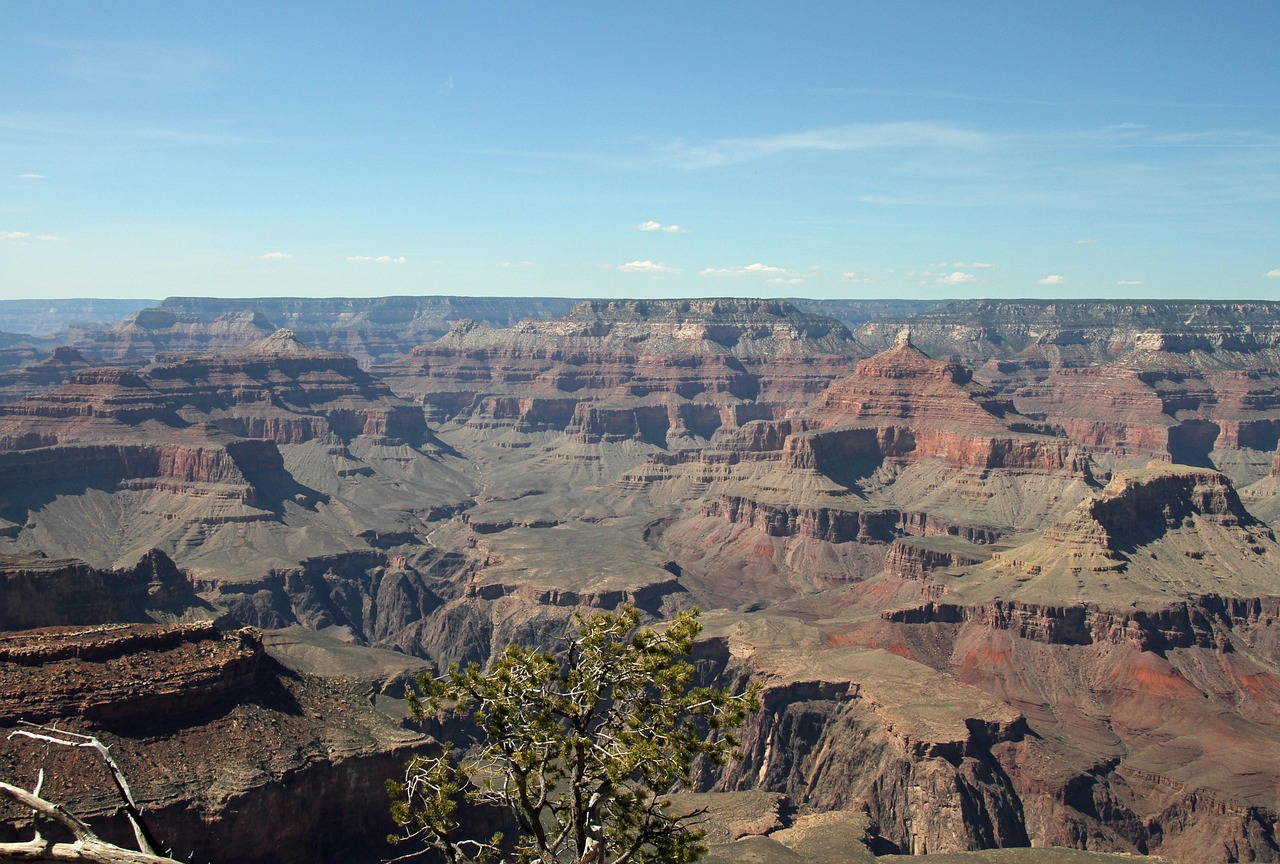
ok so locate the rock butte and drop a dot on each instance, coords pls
(1007, 570)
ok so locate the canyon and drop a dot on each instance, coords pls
(1007, 571)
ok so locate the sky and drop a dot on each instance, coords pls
(851, 149)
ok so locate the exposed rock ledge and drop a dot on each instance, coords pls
(1204, 621)
(232, 758)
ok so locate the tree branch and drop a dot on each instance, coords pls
(146, 842)
(87, 847)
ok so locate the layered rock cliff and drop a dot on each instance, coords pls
(696, 362)
(40, 592)
(217, 741)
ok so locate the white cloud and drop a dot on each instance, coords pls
(1053, 280)
(650, 225)
(850, 276)
(646, 267)
(375, 259)
(446, 89)
(1273, 274)
(276, 256)
(1085, 241)
(958, 278)
(850, 138)
(508, 265)
(31, 177)
(974, 265)
(27, 235)
(1131, 282)
(756, 269)
(787, 280)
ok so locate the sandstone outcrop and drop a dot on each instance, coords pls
(40, 592)
(217, 741)
(376, 329)
(687, 367)
(53, 371)
(936, 785)
(1189, 382)
(1086, 331)
(905, 445)
(188, 449)
(1139, 609)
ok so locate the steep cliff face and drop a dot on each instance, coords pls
(373, 329)
(216, 739)
(274, 387)
(973, 331)
(826, 524)
(149, 331)
(701, 360)
(218, 461)
(281, 388)
(42, 592)
(1189, 382)
(824, 450)
(1162, 534)
(1138, 634)
(927, 777)
(904, 443)
(53, 371)
(100, 675)
(365, 597)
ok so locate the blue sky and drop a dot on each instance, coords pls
(848, 149)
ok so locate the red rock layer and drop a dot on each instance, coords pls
(112, 674)
(275, 388)
(729, 361)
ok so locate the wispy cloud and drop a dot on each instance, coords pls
(646, 267)
(446, 89)
(1131, 282)
(1273, 274)
(957, 278)
(951, 95)
(73, 128)
(31, 177)
(375, 259)
(511, 265)
(277, 256)
(855, 278)
(27, 235)
(749, 270)
(850, 138)
(1085, 241)
(972, 265)
(1054, 279)
(651, 225)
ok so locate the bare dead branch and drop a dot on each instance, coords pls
(146, 842)
(87, 848)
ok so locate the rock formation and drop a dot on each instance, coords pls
(671, 370)
(219, 743)
(1000, 591)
